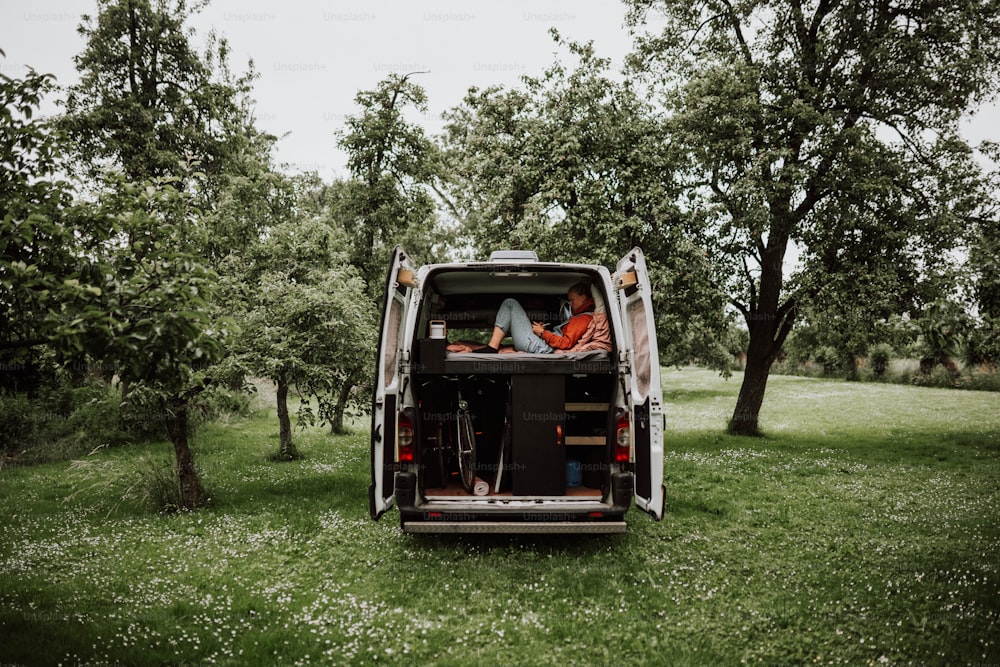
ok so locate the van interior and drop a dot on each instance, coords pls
(543, 424)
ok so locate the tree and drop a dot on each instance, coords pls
(305, 320)
(147, 102)
(984, 258)
(253, 196)
(52, 264)
(579, 167)
(392, 164)
(388, 198)
(785, 111)
(156, 303)
(165, 123)
(944, 328)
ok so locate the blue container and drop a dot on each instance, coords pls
(574, 473)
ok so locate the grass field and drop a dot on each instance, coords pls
(863, 530)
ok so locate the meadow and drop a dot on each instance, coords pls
(862, 530)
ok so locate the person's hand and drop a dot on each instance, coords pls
(537, 328)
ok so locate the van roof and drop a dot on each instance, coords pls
(485, 278)
(513, 256)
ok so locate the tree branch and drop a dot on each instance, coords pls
(787, 313)
(447, 202)
(750, 283)
(743, 309)
(738, 31)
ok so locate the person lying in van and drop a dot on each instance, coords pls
(533, 336)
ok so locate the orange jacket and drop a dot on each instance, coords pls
(573, 329)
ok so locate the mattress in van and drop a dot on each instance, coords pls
(589, 362)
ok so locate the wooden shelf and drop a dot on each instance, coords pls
(587, 407)
(586, 439)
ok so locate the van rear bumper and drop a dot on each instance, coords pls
(512, 515)
(519, 527)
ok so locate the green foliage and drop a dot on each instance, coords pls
(141, 413)
(17, 423)
(575, 165)
(984, 251)
(944, 327)
(159, 328)
(220, 403)
(983, 343)
(304, 314)
(878, 358)
(393, 167)
(252, 197)
(48, 243)
(578, 167)
(737, 340)
(312, 334)
(833, 126)
(147, 101)
(829, 358)
(60, 421)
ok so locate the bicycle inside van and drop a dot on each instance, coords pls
(468, 439)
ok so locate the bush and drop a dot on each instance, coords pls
(141, 416)
(17, 422)
(95, 415)
(983, 346)
(222, 402)
(158, 488)
(148, 483)
(828, 357)
(878, 358)
(71, 421)
(65, 417)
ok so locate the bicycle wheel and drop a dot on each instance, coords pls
(466, 447)
(439, 446)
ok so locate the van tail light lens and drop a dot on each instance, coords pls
(623, 440)
(404, 440)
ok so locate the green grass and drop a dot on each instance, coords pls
(863, 530)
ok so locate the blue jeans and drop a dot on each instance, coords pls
(515, 323)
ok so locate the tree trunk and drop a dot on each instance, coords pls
(949, 364)
(769, 324)
(850, 364)
(175, 417)
(337, 425)
(286, 450)
(746, 416)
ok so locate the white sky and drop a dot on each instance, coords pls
(313, 57)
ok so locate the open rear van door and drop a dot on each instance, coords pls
(645, 399)
(385, 400)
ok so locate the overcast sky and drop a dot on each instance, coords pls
(313, 57)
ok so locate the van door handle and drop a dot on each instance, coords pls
(377, 436)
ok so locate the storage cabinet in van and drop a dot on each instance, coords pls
(464, 441)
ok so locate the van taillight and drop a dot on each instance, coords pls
(623, 440)
(404, 439)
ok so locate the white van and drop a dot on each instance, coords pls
(515, 442)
